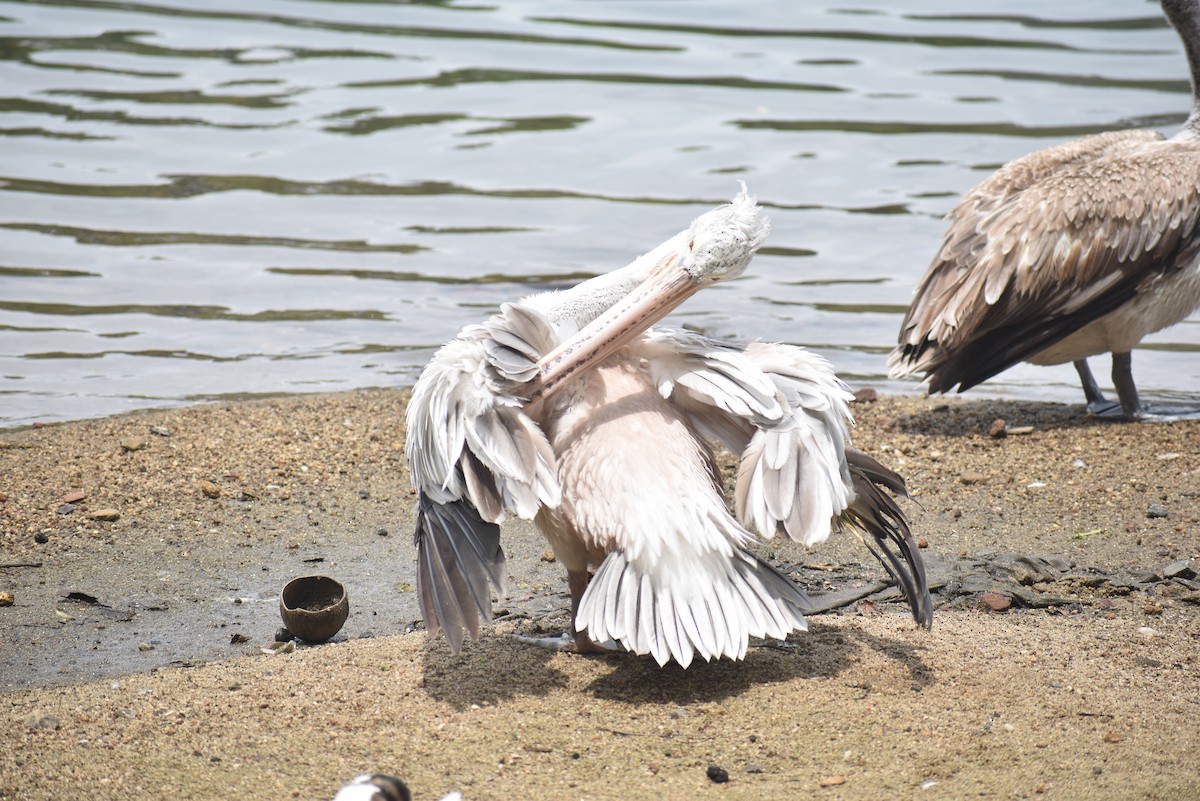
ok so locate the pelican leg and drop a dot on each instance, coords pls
(1131, 406)
(1097, 404)
(577, 582)
(1122, 376)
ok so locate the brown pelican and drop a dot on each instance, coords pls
(1076, 250)
(568, 409)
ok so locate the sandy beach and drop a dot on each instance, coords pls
(1064, 660)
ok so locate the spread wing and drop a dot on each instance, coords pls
(786, 412)
(474, 455)
(1046, 245)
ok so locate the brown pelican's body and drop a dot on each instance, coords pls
(568, 409)
(1073, 251)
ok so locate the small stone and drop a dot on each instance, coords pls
(717, 774)
(1152, 609)
(922, 542)
(145, 646)
(548, 556)
(133, 443)
(1183, 569)
(210, 489)
(41, 538)
(381, 532)
(866, 395)
(160, 431)
(999, 429)
(6, 599)
(3, 497)
(283, 635)
(364, 494)
(1157, 510)
(832, 781)
(65, 509)
(1146, 631)
(238, 638)
(1113, 737)
(972, 478)
(74, 497)
(40, 720)
(106, 515)
(995, 601)
(869, 609)
(1016, 431)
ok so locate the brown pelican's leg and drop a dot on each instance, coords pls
(577, 581)
(1091, 389)
(1097, 404)
(1122, 376)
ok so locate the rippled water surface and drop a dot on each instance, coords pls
(214, 199)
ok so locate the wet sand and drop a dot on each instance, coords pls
(131, 664)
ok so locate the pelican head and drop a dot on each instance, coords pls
(717, 246)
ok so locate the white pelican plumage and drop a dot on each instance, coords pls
(568, 409)
(1076, 250)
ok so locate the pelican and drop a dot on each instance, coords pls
(568, 409)
(1073, 251)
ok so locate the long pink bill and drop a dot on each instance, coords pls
(662, 292)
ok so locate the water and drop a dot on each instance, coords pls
(201, 202)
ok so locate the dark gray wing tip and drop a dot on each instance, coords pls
(458, 554)
(890, 540)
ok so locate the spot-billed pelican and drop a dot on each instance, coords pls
(568, 409)
(1073, 251)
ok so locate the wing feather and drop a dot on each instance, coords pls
(474, 456)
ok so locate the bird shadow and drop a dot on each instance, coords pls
(497, 668)
(824, 651)
(962, 418)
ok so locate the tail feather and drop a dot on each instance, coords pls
(754, 600)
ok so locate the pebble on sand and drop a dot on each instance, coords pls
(106, 515)
(133, 443)
(717, 774)
(866, 395)
(40, 720)
(999, 429)
(995, 601)
(74, 497)
(6, 599)
(210, 489)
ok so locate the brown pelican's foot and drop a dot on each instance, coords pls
(1106, 409)
(1149, 413)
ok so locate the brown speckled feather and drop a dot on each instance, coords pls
(1047, 244)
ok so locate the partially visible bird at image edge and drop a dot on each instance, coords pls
(1076, 250)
